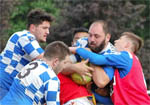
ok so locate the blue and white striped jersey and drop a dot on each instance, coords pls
(21, 48)
(36, 84)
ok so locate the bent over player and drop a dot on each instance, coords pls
(37, 83)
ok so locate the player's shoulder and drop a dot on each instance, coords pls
(127, 54)
(109, 49)
(25, 35)
(84, 39)
(82, 42)
(123, 54)
(47, 69)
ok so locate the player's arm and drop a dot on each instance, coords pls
(39, 57)
(117, 60)
(100, 78)
(52, 92)
(31, 47)
(81, 67)
(122, 60)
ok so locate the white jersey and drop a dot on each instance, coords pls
(21, 48)
(35, 84)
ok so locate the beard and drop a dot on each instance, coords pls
(98, 48)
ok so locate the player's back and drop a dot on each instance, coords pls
(30, 85)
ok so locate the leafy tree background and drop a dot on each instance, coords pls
(123, 15)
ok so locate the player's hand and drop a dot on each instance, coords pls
(88, 49)
(73, 49)
(83, 69)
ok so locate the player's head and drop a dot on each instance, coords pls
(58, 53)
(79, 33)
(38, 23)
(129, 41)
(99, 35)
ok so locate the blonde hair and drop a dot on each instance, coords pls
(137, 42)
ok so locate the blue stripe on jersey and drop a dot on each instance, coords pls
(51, 96)
(57, 103)
(44, 76)
(14, 73)
(55, 78)
(46, 86)
(36, 99)
(23, 35)
(0, 57)
(14, 63)
(31, 38)
(19, 45)
(14, 39)
(29, 48)
(24, 61)
(8, 54)
(32, 88)
(40, 50)
(17, 50)
(42, 89)
(42, 100)
(21, 52)
(45, 65)
(2, 65)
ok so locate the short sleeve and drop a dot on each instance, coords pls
(31, 46)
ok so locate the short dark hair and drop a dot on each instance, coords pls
(56, 49)
(105, 24)
(37, 16)
(80, 29)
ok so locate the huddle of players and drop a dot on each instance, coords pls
(26, 81)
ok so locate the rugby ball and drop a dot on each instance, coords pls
(77, 78)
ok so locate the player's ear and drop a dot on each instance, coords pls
(128, 44)
(108, 36)
(32, 28)
(55, 62)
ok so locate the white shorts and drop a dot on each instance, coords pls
(79, 101)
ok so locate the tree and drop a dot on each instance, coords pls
(122, 16)
(18, 16)
(18, 11)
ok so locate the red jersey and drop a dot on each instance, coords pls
(131, 89)
(70, 90)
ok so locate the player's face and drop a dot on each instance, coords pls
(62, 64)
(78, 36)
(121, 43)
(41, 31)
(97, 39)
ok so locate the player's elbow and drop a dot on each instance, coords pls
(101, 84)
